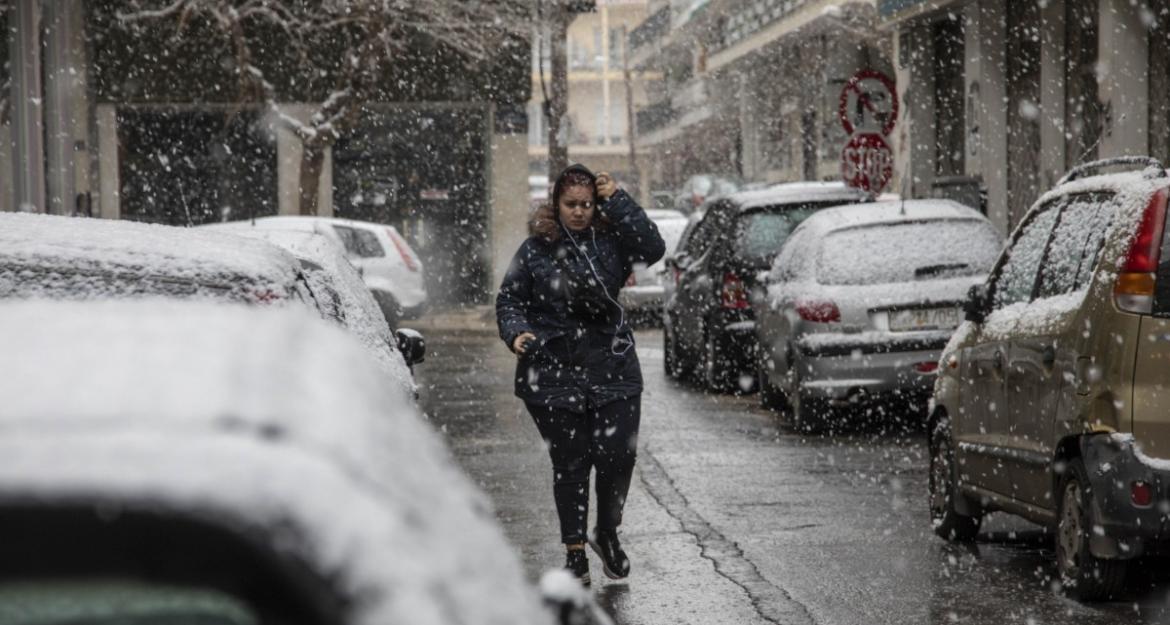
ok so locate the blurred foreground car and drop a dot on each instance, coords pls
(388, 265)
(708, 322)
(190, 462)
(860, 302)
(643, 293)
(44, 256)
(1052, 398)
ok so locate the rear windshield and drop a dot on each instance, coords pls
(763, 233)
(905, 252)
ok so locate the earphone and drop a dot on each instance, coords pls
(626, 343)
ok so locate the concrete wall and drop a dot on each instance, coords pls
(1124, 79)
(509, 200)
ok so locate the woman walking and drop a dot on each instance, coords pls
(577, 369)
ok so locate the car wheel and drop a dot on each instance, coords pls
(1084, 575)
(945, 518)
(714, 371)
(771, 397)
(669, 354)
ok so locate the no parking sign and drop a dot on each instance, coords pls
(868, 111)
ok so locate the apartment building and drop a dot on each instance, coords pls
(1005, 96)
(597, 128)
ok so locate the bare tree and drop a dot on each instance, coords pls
(353, 41)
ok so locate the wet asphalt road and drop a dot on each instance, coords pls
(733, 518)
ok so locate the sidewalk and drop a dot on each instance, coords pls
(469, 319)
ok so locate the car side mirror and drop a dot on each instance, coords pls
(978, 303)
(412, 345)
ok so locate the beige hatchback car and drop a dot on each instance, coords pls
(1053, 398)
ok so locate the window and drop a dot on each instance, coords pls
(763, 233)
(941, 249)
(1076, 244)
(1017, 276)
(359, 243)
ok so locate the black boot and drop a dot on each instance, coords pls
(578, 564)
(605, 544)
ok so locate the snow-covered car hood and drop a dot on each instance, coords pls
(268, 418)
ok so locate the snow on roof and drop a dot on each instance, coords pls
(266, 418)
(850, 216)
(125, 246)
(795, 192)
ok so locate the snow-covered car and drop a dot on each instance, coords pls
(708, 322)
(1051, 401)
(860, 302)
(390, 268)
(643, 293)
(44, 256)
(194, 462)
(327, 269)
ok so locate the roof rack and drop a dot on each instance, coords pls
(1153, 169)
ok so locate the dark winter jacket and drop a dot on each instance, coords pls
(584, 353)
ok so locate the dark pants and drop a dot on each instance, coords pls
(603, 438)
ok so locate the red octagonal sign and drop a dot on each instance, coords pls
(867, 162)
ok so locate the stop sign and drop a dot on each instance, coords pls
(867, 162)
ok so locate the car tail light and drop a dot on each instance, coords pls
(677, 275)
(1141, 494)
(264, 296)
(818, 311)
(1134, 289)
(631, 281)
(930, 366)
(403, 249)
(734, 294)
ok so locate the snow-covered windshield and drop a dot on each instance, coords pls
(906, 252)
(671, 231)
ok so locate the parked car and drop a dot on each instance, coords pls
(45, 256)
(708, 321)
(699, 188)
(195, 462)
(328, 271)
(1051, 402)
(389, 266)
(860, 302)
(643, 294)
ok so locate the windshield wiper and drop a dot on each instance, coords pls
(934, 270)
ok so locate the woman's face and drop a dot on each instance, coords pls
(576, 207)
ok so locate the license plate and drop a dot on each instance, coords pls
(924, 319)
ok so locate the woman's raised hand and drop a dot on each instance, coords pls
(518, 344)
(606, 186)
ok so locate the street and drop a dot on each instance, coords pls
(733, 518)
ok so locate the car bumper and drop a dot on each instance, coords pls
(1126, 530)
(634, 298)
(868, 373)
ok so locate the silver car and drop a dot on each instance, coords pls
(860, 302)
(643, 292)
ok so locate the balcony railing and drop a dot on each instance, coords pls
(655, 117)
(752, 17)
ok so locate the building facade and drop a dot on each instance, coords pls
(752, 87)
(1004, 97)
(601, 92)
